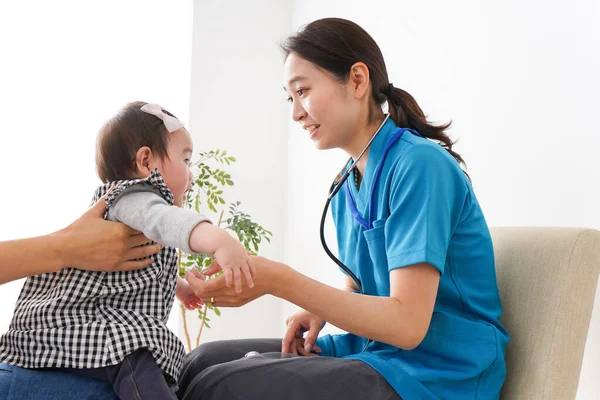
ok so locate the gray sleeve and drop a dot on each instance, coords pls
(142, 208)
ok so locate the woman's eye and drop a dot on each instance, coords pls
(299, 92)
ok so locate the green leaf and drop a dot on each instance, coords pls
(211, 178)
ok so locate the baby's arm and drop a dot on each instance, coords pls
(142, 208)
(229, 253)
(185, 294)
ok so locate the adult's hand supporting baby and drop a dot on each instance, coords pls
(269, 277)
(97, 245)
(89, 243)
(209, 289)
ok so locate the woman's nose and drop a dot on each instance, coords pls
(298, 112)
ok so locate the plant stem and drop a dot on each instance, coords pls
(185, 330)
(201, 325)
(205, 309)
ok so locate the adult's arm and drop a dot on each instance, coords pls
(89, 243)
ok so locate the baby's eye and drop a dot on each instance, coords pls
(187, 162)
(289, 99)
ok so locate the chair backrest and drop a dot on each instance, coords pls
(547, 279)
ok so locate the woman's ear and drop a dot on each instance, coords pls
(359, 80)
(144, 161)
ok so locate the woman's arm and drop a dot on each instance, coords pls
(88, 243)
(402, 319)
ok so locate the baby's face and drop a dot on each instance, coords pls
(175, 169)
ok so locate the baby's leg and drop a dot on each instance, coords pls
(139, 377)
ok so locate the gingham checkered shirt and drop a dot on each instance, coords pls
(82, 319)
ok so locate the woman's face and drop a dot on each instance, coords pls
(324, 107)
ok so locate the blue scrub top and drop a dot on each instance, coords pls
(426, 212)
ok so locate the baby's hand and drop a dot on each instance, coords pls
(185, 294)
(235, 262)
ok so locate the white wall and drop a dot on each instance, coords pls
(237, 104)
(519, 80)
(65, 68)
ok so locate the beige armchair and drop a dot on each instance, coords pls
(547, 279)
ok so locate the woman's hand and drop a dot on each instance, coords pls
(93, 244)
(294, 342)
(267, 276)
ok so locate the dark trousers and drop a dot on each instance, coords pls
(137, 377)
(220, 371)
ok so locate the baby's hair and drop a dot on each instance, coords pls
(122, 136)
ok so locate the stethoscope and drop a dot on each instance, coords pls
(342, 179)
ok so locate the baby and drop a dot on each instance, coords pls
(112, 326)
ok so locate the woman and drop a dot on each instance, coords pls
(422, 309)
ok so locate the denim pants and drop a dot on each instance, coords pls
(18, 383)
(137, 377)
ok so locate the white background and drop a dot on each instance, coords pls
(65, 68)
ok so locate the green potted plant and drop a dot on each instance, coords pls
(207, 193)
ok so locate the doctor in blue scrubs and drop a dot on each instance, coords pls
(421, 303)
